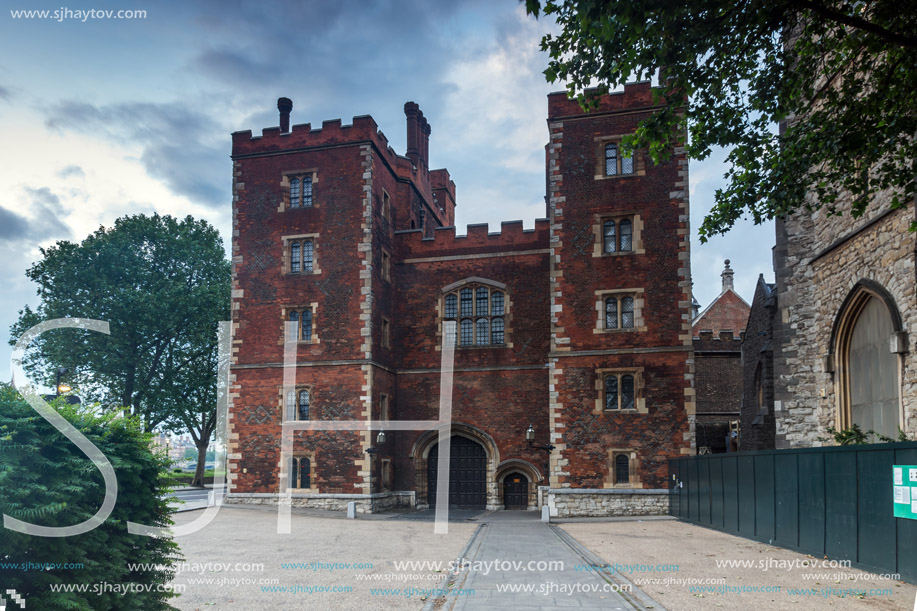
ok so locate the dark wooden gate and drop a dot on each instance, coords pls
(516, 491)
(467, 474)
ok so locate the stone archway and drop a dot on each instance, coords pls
(517, 466)
(426, 442)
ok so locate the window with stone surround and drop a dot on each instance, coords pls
(612, 163)
(300, 254)
(619, 311)
(476, 313)
(298, 405)
(302, 323)
(300, 467)
(300, 194)
(622, 468)
(618, 235)
(620, 390)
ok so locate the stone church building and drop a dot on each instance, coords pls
(573, 362)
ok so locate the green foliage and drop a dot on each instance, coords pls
(163, 285)
(855, 436)
(842, 91)
(47, 480)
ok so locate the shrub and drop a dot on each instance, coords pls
(46, 480)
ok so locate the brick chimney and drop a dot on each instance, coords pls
(418, 135)
(727, 276)
(284, 105)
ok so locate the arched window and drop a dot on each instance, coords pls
(611, 313)
(302, 256)
(610, 240)
(627, 164)
(303, 412)
(611, 159)
(294, 328)
(868, 383)
(307, 191)
(476, 313)
(620, 391)
(301, 191)
(301, 327)
(627, 235)
(622, 469)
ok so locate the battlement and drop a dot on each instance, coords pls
(708, 340)
(363, 128)
(635, 95)
(478, 239)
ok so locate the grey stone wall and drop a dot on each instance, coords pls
(380, 501)
(818, 260)
(600, 502)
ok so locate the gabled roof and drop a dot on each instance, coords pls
(727, 312)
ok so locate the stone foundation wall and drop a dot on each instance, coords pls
(599, 502)
(331, 502)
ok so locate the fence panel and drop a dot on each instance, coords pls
(821, 501)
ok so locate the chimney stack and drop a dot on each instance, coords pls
(413, 115)
(727, 276)
(425, 141)
(284, 105)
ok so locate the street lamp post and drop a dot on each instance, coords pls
(61, 388)
(380, 441)
(530, 438)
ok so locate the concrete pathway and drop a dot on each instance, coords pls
(515, 539)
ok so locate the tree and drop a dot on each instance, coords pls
(836, 75)
(163, 285)
(46, 480)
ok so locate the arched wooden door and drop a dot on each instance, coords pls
(516, 491)
(467, 474)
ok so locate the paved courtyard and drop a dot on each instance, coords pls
(693, 552)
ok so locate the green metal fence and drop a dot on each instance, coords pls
(835, 502)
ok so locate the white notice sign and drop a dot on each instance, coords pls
(899, 476)
(914, 475)
(903, 494)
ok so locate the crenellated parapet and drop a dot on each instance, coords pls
(634, 97)
(512, 238)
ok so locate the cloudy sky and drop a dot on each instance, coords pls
(106, 117)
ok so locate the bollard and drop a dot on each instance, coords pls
(351, 510)
(545, 514)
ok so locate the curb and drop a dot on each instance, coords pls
(639, 599)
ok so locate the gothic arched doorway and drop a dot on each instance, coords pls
(516, 491)
(467, 473)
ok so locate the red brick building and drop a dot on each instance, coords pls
(718, 333)
(580, 327)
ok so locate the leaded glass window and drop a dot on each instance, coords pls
(466, 302)
(610, 239)
(611, 159)
(627, 312)
(295, 254)
(306, 326)
(307, 191)
(611, 313)
(294, 193)
(467, 332)
(483, 333)
(611, 392)
(451, 305)
(481, 308)
(496, 299)
(497, 331)
(291, 405)
(308, 254)
(303, 412)
(627, 164)
(627, 392)
(627, 235)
